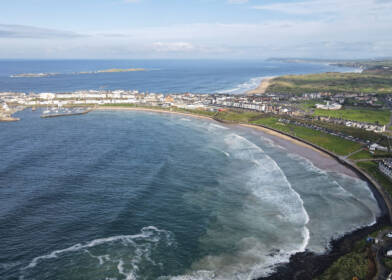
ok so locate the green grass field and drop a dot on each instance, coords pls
(381, 117)
(367, 155)
(361, 155)
(332, 143)
(332, 82)
(239, 117)
(371, 168)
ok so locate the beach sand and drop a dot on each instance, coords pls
(262, 87)
(304, 265)
(319, 158)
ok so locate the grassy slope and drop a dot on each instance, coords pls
(332, 143)
(367, 155)
(371, 168)
(355, 132)
(332, 82)
(361, 155)
(362, 115)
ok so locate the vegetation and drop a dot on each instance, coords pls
(361, 155)
(307, 106)
(332, 82)
(354, 132)
(332, 143)
(371, 168)
(381, 117)
(388, 263)
(236, 116)
(354, 264)
(364, 154)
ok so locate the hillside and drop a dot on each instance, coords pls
(332, 82)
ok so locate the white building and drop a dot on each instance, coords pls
(47, 96)
(385, 167)
(328, 106)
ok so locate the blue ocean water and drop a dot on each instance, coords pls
(136, 195)
(162, 76)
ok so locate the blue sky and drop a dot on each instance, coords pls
(195, 28)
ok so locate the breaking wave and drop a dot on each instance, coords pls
(119, 257)
(269, 203)
(243, 87)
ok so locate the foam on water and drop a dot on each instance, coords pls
(128, 253)
(243, 87)
(269, 203)
(348, 201)
(238, 206)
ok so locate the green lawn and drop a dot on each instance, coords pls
(239, 117)
(381, 117)
(355, 132)
(361, 155)
(308, 105)
(332, 82)
(371, 168)
(367, 155)
(332, 143)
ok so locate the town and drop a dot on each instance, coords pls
(278, 104)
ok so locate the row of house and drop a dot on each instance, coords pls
(385, 166)
(362, 125)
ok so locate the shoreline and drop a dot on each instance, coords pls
(317, 157)
(114, 108)
(307, 265)
(261, 89)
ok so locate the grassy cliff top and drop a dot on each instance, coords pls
(332, 82)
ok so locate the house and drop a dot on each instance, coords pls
(375, 147)
(328, 106)
(385, 167)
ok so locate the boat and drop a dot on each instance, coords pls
(65, 112)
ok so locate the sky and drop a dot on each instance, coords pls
(194, 29)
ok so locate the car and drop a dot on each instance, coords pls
(389, 235)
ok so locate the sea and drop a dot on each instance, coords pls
(154, 196)
(161, 76)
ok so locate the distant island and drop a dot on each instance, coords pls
(33, 75)
(41, 75)
(114, 70)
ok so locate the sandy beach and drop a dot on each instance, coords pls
(319, 158)
(262, 87)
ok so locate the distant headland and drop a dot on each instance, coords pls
(41, 75)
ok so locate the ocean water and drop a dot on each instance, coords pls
(136, 195)
(162, 76)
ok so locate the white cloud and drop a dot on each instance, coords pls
(173, 46)
(351, 28)
(238, 1)
(316, 7)
(23, 31)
